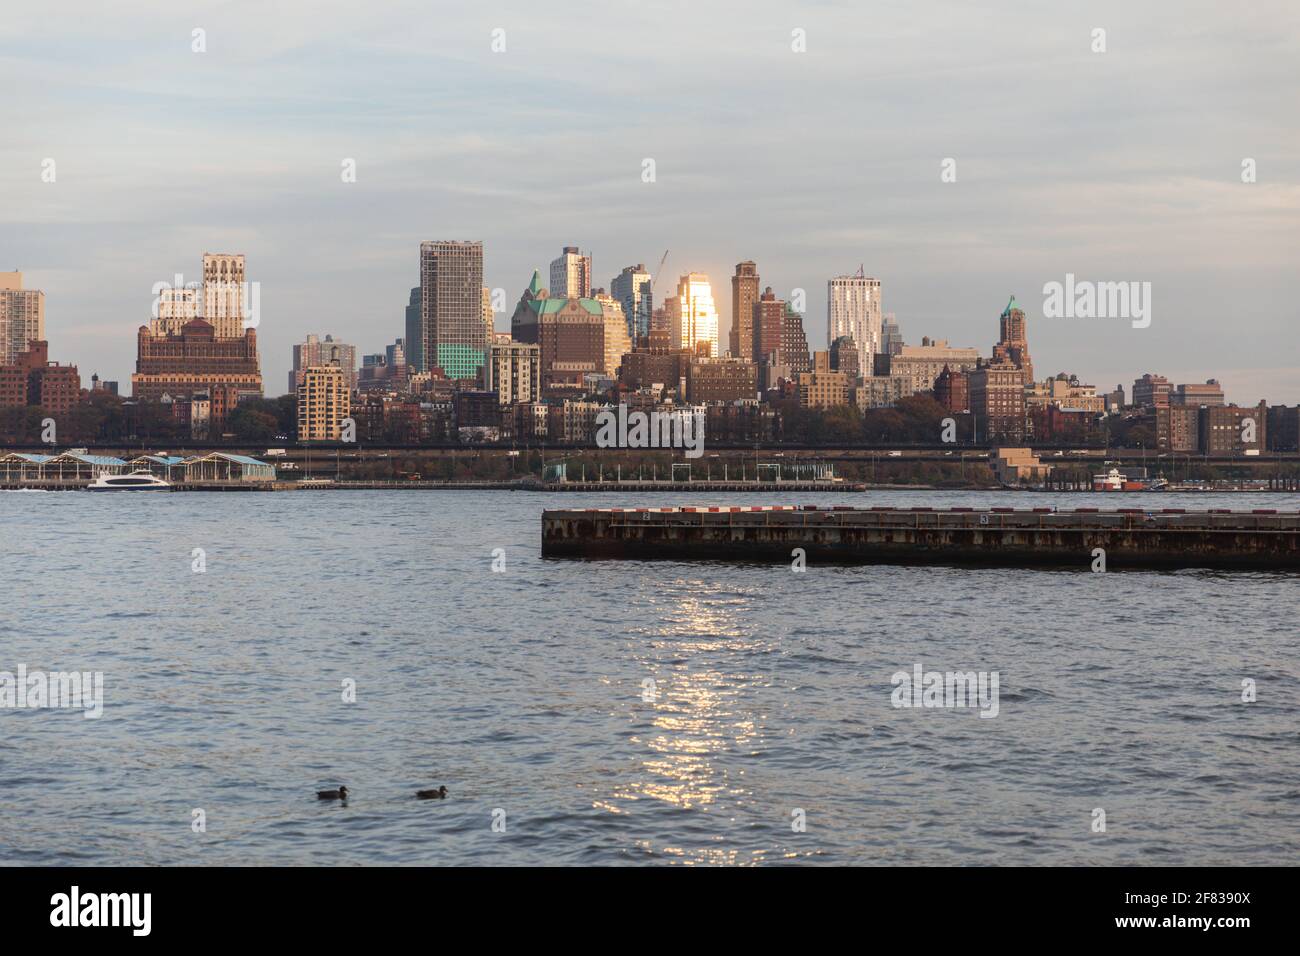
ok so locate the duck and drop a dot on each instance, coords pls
(340, 794)
(438, 794)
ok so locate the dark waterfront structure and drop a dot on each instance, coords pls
(1130, 537)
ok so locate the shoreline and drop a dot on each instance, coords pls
(625, 487)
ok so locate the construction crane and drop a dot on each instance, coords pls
(653, 279)
(658, 272)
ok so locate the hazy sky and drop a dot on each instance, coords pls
(1122, 165)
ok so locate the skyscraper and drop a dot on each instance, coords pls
(632, 288)
(22, 317)
(414, 339)
(794, 342)
(768, 326)
(452, 332)
(571, 275)
(853, 308)
(891, 338)
(213, 356)
(225, 305)
(692, 316)
(1013, 346)
(617, 341)
(744, 293)
(176, 308)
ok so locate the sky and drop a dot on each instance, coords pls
(1117, 166)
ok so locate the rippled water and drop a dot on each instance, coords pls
(522, 692)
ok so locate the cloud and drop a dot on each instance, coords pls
(1122, 165)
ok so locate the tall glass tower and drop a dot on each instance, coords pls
(453, 334)
(632, 288)
(692, 316)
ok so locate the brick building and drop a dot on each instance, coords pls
(710, 380)
(1151, 391)
(821, 387)
(575, 336)
(1284, 428)
(1013, 344)
(997, 399)
(767, 325)
(744, 297)
(1197, 394)
(656, 362)
(845, 357)
(952, 390)
(476, 409)
(924, 362)
(794, 342)
(741, 422)
(1055, 423)
(1178, 428)
(1231, 430)
(34, 380)
(194, 361)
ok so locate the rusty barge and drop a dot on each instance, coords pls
(1129, 537)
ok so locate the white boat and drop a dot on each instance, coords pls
(1110, 481)
(135, 481)
(1113, 480)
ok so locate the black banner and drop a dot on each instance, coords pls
(331, 906)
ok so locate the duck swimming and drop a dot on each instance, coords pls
(340, 794)
(438, 794)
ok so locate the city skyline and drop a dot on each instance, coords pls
(470, 435)
(166, 301)
(1105, 172)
